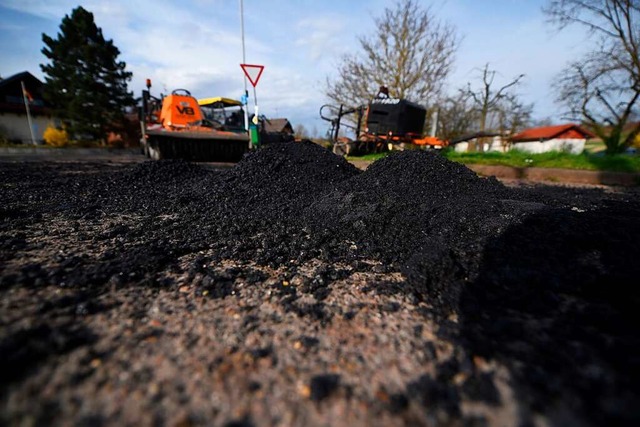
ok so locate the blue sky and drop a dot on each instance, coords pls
(196, 44)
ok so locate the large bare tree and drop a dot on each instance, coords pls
(602, 88)
(496, 107)
(411, 53)
(460, 117)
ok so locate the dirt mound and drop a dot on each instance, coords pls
(295, 289)
(426, 176)
(549, 291)
(297, 169)
(423, 215)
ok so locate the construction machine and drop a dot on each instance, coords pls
(226, 111)
(176, 127)
(389, 124)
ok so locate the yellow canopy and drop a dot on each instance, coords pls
(213, 102)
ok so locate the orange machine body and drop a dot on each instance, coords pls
(180, 111)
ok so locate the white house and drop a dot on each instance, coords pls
(568, 137)
(14, 125)
(491, 141)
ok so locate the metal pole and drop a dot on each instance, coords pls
(255, 101)
(434, 123)
(244, 61)
(26, 106)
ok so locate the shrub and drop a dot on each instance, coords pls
(55, 137)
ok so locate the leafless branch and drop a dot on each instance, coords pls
(489, 102)
(411, 53)
(603, 86)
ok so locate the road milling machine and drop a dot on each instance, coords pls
(389, 124)
(178, 126)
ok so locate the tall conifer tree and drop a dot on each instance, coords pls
(86, 85)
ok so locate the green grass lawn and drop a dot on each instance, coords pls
(369, 157)
(595, 161)
(554, 159)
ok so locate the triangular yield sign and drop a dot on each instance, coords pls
(253, 72)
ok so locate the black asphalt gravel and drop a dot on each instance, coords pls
(294, 289)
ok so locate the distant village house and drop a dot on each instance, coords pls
(569, 138)
(278, 126)
(490, 141)
(14, 123)
(277, 130)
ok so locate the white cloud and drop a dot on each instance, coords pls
(320, 36)
(41, 8)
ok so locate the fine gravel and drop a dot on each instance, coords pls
(294, 289)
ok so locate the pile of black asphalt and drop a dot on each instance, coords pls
(543, 280)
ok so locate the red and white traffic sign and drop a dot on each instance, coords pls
(253, 72)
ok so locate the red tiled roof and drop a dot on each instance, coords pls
(569, 131)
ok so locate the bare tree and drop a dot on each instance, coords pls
(489, 102)
(300, 132)
(460, 116)
(542, 121)
(603, 87)
(513, 115)
(456, 117)
(411, 54)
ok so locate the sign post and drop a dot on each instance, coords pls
(253, 73)
(244, 59)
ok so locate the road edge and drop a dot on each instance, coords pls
(547, 175)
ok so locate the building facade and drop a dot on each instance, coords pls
(14, 101)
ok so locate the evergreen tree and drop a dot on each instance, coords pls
(86, 85)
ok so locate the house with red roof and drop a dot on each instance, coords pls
(570, 138)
